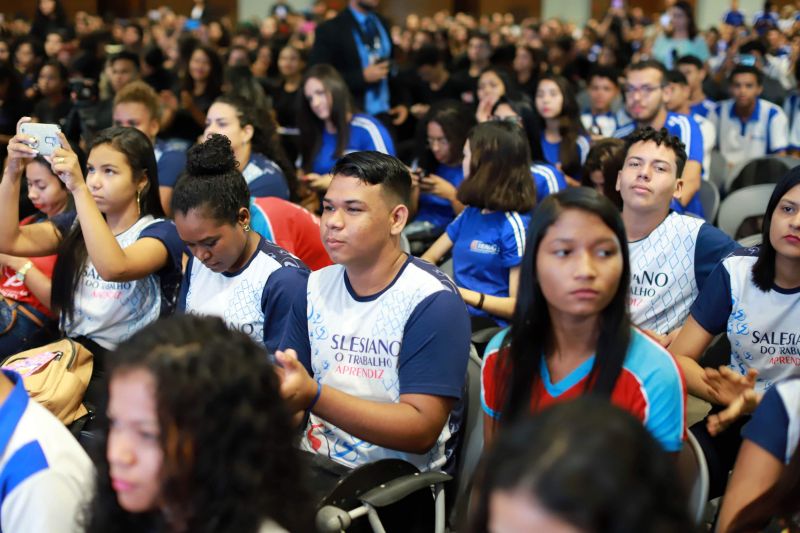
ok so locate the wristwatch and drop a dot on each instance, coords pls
(20, 275)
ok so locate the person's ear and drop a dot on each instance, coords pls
(398, 219)
(618, 185)
(678, 188)
(247, 133)
(243, 217)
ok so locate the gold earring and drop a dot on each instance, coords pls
(246, 227)
(139, 201)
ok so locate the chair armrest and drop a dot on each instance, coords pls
(397, 489)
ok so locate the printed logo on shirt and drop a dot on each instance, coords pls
(364, 357)
(645, 283)
(779, 343)
(104, 290)
(484, 247)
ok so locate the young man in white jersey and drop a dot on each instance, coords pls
(378, 350)
(645, 102)
(47, 478)
(749, 126)
(671, 254)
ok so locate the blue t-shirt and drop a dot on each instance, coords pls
(255, 300)
(733, 17)
(763, 327)
(366, 133)
(435, 209)
(548, 180)
(688, 131)
(775, 425)
(486, 246)
(552, 155)
(265, 178)
(704, 108)
(171, 162)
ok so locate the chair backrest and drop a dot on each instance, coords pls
(472, 445)
(693, 470)
(709, 197)
(718, 168)
(757, 171)
(741, 204)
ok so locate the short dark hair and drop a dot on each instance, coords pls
(747, 69)
(125, 55)
(480, 35)
(649, 63)
(676, 76)
(690, 60)
(428, 55)
(376, 168)
(499, 174)
(608, 73)
(660, 137)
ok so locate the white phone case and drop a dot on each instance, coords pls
(46, 136)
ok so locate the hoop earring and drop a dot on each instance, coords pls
(139, 201)
(246, 227)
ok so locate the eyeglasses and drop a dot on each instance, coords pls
(644, 90)
(441, 141)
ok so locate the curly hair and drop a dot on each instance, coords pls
(229, 462)
(660, 137)
(266, 139)
(212, 181)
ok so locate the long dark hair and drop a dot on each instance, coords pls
(311, 126)
(764, 268)
(265, 139)
(215, 76)
(531, 329)
(527, 116)
(499, 171)
(226, 435)
(569, 125)
(688, 10)
(72, 253)
(589, 463)
(606, 156)
(456, 120)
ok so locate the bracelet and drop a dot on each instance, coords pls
(480, 300)
(316, 397)
(20, 275)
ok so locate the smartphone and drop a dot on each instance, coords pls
(46, 136)
(748, 60)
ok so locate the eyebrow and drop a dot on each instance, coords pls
(345, 202)
(601, 240)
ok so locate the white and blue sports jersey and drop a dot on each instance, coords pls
(709, 132)
(108, 312)
(255, 300)
(548, 179)
(669, 267)
(604, 124)
(704, 108)
(791, 107)
(763, 327)
(765, 132)
(551, 150)
(265, 178)
(435, 209)
(486, 246)
(45, 475)
(171, 161)
(412, 337)
(366, 133)
(775, 425)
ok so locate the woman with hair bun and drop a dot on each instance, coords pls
(234, 273)
(198, 439)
